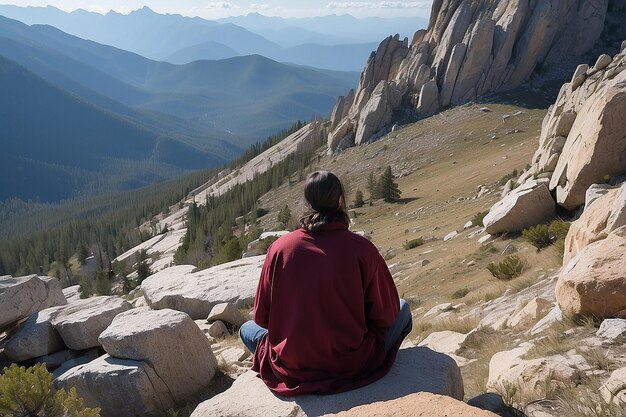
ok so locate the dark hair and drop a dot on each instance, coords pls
(322, 191)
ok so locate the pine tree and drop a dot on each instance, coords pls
(358, 199)
(284, 217)
(388, 188)
(103, 285)
(373, 188)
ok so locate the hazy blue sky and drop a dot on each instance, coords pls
(217, 9)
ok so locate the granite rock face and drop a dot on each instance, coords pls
(469, 49)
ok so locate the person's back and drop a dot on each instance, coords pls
(327, 301)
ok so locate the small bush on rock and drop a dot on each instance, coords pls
(264, 244)
(507, 269)
(26, 392)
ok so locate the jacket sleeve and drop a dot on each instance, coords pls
(263, 297)
(382, 302)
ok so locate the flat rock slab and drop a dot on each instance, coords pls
(81, 322)
(416, 369)
(120, 387)
(170, 342)
(196, 293)
(419, 404)
(36, 337)
(22, 296)
(72, 293)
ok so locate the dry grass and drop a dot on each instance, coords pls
(482, 345)
(423, 327)
(562, 336)
(585, 400)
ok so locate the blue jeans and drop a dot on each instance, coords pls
(251, 333)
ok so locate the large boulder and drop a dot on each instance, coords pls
(81, 322)
(120, 387)
(605, 214)
(169, 341)
(35, 337)
(195, 293)
(593, 283)
(418, 404)
(596, 145)
(416, 369)
(22, 296)
(227, 313)
(527, 205)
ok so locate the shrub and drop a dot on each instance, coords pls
(264, 244)
(414, 243)
(28, 392)
(460, 293)
(477, 220)
(538, 236)
(504, 179)
(358, 200)
(544, 235)
(507, 269)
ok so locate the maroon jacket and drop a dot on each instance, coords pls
(327, 300)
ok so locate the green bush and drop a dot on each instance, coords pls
(477, 220)
(358, 200)
(544, 235)
(460, 293)
(264, 244)
(507, 269)
(414, 243)
(26, 392)
(505, 178)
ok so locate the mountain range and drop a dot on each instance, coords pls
(320, 42)
(155, 119)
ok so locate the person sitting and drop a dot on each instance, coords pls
(327, 316)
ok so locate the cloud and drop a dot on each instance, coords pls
(378, 5)
(220, 5)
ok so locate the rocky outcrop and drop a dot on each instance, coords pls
(593, 283)
(582, 144)
(527, 205)
(154, 359)
(469, 49)
(419, 404)
(22, 296)
(416, 369)
(582, 139)
(195, 293)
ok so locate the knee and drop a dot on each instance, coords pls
(244, 329)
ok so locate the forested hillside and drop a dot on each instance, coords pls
(56, 146)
